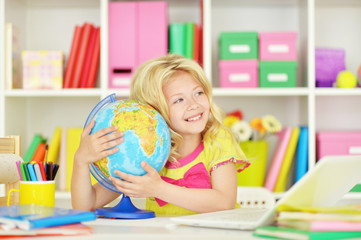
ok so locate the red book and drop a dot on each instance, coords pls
(94, 65)
(196, 43)
(88, 57)
(70, 67)
(83, 47)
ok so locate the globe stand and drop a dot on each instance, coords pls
(124, 209)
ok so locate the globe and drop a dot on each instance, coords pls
(146, 138)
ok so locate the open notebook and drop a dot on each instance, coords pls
(324, 185)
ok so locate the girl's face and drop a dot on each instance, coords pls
(188, 105)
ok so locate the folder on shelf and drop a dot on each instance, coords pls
(177, 38)
(287, 161)
(189, 40)
(73, 56)
(83, 48)
(94, 63)
(302, 154)
(277, 159)
(88, 57)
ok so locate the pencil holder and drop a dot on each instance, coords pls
(35, 192)
(256, 152)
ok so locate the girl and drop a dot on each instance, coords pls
(200, 175)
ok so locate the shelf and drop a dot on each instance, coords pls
(219, 92)
(338, 91)
(54, 93)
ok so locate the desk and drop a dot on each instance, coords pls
(154, 228)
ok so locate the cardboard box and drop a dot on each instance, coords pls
(238, 45)
(277, 74)
(278, 46)
(238, 73)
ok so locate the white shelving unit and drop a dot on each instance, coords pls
(49, 25)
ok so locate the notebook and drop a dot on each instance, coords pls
(324, 185)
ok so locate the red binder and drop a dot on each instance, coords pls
(88, 58)
(73, 55)
(94, 64)
(85, 40)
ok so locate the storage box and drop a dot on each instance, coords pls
(238, 73)
(329, 62)
(278, 46)
(338, 143)
(238, 45)
(277, 74)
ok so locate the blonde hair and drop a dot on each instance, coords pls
(147, 85)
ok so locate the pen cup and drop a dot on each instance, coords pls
(35, 192)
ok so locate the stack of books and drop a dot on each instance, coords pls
(39, 220)
(338, 222)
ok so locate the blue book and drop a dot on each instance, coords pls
(302, 154)
(33, 216)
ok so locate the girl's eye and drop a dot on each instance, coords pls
(199, 93)
(178, 100)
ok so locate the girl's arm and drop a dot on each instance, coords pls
(222, 196)
(91, 149)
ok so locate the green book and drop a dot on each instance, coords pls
(176, 38)
(189, 39)
(291, 233)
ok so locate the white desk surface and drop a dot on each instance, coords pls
(153, 228)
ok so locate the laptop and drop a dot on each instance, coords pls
(324, 185)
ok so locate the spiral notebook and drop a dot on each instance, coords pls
(324, 185)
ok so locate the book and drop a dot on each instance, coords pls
(290, 233)
(53, 151)
(302, 154)
(189, 39)
(88, 58)
(94, 64)
(277, 160)
(64, 230)
(33, 216)
(176, 38)
(37, 139)
(321, 225)
(61, 180)
(320, 216)
(196, 43)
(73, 56)
(13, 70)
(83, 47)
(73, 136)
(287, 161)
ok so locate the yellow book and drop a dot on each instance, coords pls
(53, 151)
(287, 161)
(72, 145)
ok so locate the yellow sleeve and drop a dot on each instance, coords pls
(223, 150)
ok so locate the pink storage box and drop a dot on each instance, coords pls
(338, 143)
(238, 73)
(278, 46)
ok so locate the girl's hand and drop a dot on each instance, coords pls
(99, 144)
(138, 186)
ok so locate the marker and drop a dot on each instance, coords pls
(32, 172)
(19, 170)
(37, 172)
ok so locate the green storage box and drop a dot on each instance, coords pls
(277, 74)
(238, 45)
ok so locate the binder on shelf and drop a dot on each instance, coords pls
(83, 48)
(94, 64)
(73, 56)
(137, 32)
(302, 154)
(189, 40)
(287, 161)
(88, 58)
(277, 159)
(176, 38)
